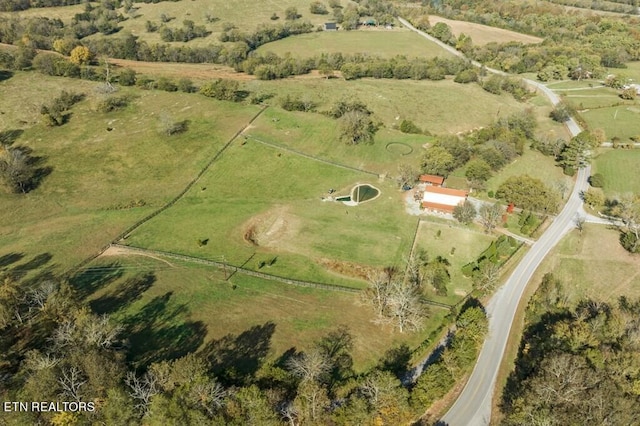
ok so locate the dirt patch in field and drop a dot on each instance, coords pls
(275, 228)
(483, 34)
(179, 70)
(124, 251)
(347, 269)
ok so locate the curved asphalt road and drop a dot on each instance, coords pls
(473, 406)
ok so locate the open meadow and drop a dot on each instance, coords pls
(375, 42)
(432, 105)
(620, 170)
(107, 170)
(174, 308)
(593, 265)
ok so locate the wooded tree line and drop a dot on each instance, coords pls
(593, 43)
(578, 364)
(56, 345)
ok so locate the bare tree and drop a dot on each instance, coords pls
(309, 366)
(405, 307)
(209, 395)
(397, 301)
(71, 381)
(490, 216)
(101, 332)
(407, 175)
(38, 297)
(142, 389)
(579, 221)
(487, 276)
(64, 335)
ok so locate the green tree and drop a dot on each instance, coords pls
(478, 170)
(577, 153)
(465, 212)
(438, 161)
(357, 127)
(291, 13)
(528, 193)
(318, 8)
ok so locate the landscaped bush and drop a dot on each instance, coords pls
(597, 180)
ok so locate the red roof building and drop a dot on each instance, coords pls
(432, 180)
(442, 199)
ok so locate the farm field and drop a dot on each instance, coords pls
(593, 265)
(483, 34)
(76, 209)
(439, 239)
(374, 42)
(620, 170)
(261, 203)
(432, 105)
(206, 311)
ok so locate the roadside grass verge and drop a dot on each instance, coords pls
(103, 180)
(383, 43)
(196, 303)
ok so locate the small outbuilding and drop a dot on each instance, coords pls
(442, 199)
(431, 180)
(330, 26)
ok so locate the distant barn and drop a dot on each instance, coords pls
(330, 26)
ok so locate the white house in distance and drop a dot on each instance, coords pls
(442, 199)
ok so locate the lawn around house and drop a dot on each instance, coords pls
(439, 239)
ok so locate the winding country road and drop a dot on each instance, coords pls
(473, 406)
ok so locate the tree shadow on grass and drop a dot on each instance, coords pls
(8, 137)
(18, 272)
(158, 332)
(89, 280)
(127, 292)
(5, 75)
(10, 258)
(234, 359)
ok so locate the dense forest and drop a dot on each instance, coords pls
(577, 364)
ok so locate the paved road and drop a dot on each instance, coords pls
(473, 406)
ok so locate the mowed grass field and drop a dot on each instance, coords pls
(601, 107)
(176, 308)
(534, 164)
(483, 34)
(468, 243)
(97, 174)
(432, 105)
(374, 42)
(621, 170)
(279, 194)
(594, 265)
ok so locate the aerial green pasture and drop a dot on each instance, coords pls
(196, 306)
(621, 170)
(378, 42)
(102, 181)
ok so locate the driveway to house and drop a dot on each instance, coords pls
(473, 406)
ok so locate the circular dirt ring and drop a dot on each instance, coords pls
(399, 148)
